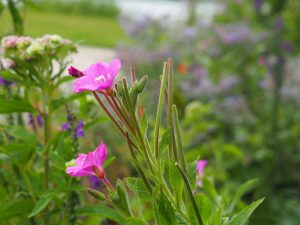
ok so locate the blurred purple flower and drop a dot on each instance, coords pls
(65, 126)
(258, 4)
(189, 32)
(278, 25)
(262, 60)
(79, 132)
(31, 121)
(287, 46)
(4, 82)
(95, 182)
(228, 82)
(40, 120)
(233, 34)
(234, 103)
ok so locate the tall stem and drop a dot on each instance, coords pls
(159, 109)
(47, 136)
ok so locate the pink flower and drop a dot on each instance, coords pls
(201, 164)
(90, 164)
(99, 76)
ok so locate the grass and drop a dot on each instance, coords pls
(88, 30)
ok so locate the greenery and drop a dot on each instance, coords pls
(87, 30)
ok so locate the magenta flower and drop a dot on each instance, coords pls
(201, 164)
(99, 76)
(74, 72)
(90, 164)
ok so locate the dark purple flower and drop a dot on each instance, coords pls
(95, 182)
(31, 121)
(79, 132)
(40, 120)
(4, 82)
(74, 72)
(65, 126)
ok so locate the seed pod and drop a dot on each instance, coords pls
(96, 194)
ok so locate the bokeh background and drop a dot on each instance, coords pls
(236, 76)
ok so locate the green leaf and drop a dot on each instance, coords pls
(18, 152)
(163, 211)
(101, 210)
(248, 185)
(108, 161)
(15, 209)
(57, 160)
(120, 198)
(61, 101)
(42, 203)
(242, 217)
(15, 105)
(144, 125)
(64, 80)
(20, 133)
(192, 173)
(176, 182)
(217, 217)
(165, 140)
(211, 191)
(137, 185)
(134, 221)
(204, 206)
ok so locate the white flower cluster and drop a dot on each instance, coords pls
(27, 48)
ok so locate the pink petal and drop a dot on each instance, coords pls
(80, 159)
(114, 67)
(96, 69)
(85, 83)
(201, 164)
(99, 155)
(77, 171)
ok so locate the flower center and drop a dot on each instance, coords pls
(98, 172)
(100, 79)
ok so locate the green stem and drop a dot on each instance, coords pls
(140, 171)
(47, 136)
(159, 110)
(137, 128)
(179, 139)
(172, 145)
(190, 193)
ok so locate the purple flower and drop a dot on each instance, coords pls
(233, 34)
(287, 46)
(99, 76)
(79, 132)
(90, 164)
(278, 24)
(40, 120)
(189, 32)
(65, 126)
(258, 4)
(228, 82)
(31, 121)
(4, 82)
(95, 182)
